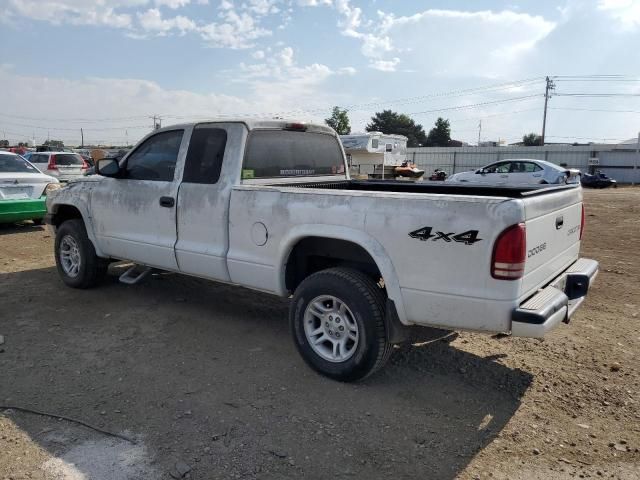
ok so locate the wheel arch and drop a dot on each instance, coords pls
(60, 212)
(361, 248)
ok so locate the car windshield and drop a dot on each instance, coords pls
(15, 164)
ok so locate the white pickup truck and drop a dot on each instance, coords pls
(269, 205)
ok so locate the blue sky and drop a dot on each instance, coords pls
(108, 65)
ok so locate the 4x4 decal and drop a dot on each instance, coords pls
(425, 233)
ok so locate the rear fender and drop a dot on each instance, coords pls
(364, 240)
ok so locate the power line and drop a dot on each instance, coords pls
(604, 95)
(479, 104)
(594, 110)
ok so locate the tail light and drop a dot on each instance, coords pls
(52, 163)
(85, 165)
(581, 222)
(509, 253)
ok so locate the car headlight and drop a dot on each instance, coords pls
(51, 187)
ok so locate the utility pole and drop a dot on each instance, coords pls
(479, 131)
(157, 122)
(550, 86)
(82, 136)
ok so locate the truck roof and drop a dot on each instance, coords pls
(256, 123)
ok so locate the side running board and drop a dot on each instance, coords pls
(135, 274)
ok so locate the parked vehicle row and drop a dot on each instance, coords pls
(269, 205)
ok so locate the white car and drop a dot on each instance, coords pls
(64, 166)
(23, 189)
(519, 172)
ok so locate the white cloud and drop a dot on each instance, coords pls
(313, 3)
(237, 30)
(446, 41)
(258, 54)
(76, 12)
(294, 88)
(347, 71)
(626, 12)
(385, 65)
(172, 3)
(151, 21)
(263, 7)
(286, 56)
(351, 16)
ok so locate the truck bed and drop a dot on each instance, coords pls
(443, 188)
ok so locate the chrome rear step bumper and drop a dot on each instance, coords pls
(555, 303)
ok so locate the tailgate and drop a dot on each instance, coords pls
(553, 225)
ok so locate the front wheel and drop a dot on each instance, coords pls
(337, 322)
(76, 259)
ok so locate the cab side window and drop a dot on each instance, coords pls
(524, 167)
(156, 158)
(498, 168)
(205, 155)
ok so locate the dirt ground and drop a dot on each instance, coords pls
(205, 378)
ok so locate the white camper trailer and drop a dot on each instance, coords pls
(367, 152)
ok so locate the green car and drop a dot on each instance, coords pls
(23, 189)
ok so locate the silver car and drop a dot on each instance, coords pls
(518, 172)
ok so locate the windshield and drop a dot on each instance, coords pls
(66, 159)
(282, 153)
(15, 164)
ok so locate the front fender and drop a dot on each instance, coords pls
(359, 237)
(77, 196)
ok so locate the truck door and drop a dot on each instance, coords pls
(212, 163)
(135, 216)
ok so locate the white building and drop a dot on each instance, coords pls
(365, 151)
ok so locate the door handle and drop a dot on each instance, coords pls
(504, 176)
(167, 202)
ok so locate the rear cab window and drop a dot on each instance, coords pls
(283, 153)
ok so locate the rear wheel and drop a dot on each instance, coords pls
(76, 259)
(337, 322)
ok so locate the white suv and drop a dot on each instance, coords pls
(64, 166)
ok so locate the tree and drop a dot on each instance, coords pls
(440, 135)
(399, 124)
(532, 140)
(339, 121)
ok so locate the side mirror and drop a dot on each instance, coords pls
(481, 171)
(108, 167)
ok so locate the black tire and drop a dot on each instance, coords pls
(92, 268)
(366, 301)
